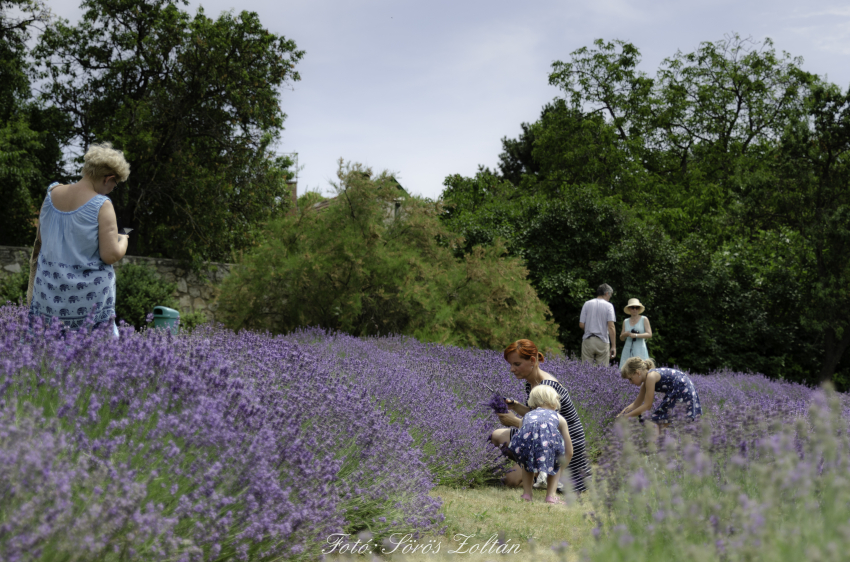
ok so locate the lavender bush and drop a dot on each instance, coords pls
(60, 505)
(242, 446)
(751, 485)
(214, 445)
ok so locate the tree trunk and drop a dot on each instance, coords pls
(833, 351)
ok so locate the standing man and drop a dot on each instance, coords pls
(597, 320)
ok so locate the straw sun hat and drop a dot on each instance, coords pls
(634, 302)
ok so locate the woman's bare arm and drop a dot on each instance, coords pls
(565, 433)
(112, 245)
(517, 407)
(648, 333)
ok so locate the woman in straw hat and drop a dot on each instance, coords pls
(636, 330)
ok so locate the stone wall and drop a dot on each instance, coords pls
(13, 259)
(196, 292)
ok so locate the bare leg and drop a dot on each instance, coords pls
(500, 436)
(656, 428)
(552, 487)
(513, 478)
(527, 481)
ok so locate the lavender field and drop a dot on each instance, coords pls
(212, 445)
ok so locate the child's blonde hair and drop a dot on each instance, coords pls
(543, 395)
(635, 364)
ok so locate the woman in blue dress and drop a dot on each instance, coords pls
(676, 386)
(636, 330)
(71, 274)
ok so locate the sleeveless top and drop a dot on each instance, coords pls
(72, 281)
(634, 347)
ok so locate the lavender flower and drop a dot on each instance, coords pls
(497, 404)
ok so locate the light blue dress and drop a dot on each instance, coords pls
(72, 281)
(634, 347)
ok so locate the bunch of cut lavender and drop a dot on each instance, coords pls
(497, 404)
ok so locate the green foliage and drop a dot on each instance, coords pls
(308, 199)
(805, 192)
(714, 191)
(138, 290)
(18, 174)
(783, 497)
(193, 102)
(376, 261)
(13, 288)
(191, 320)
(30, 136)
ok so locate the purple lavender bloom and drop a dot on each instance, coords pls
(497, 404)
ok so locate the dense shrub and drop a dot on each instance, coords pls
(13, 288)
(138, 290)
(374, 261)
(245, 446)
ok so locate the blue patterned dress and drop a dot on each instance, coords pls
(678, 389)
(538, 443)
(72, 281)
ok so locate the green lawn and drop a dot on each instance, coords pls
(530, 529)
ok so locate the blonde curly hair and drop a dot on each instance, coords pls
(102, 160)
(635, 364)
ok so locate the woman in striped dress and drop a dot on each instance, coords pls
(525, 359)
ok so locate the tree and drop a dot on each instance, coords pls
(715, 191)
(30, 136)
(705, 116)
(806, 193)
(193, 102)
(374, 261)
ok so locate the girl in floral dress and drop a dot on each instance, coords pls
(678, 388)
(543, 442)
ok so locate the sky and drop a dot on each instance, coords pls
(428, 89)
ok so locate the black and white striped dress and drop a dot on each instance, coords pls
(579, 468)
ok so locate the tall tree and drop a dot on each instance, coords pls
(806, 195)
(715, 190)
(30, 136)
(194, 102)
(693, 126)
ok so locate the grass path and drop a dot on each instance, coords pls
(530, 528)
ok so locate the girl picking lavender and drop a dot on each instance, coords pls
(542, 444)
(676, 386)
(524, 360)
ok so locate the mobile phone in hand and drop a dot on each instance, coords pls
(126, 230)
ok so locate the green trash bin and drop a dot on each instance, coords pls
(164, 317)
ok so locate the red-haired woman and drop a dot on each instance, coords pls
(525, 359)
